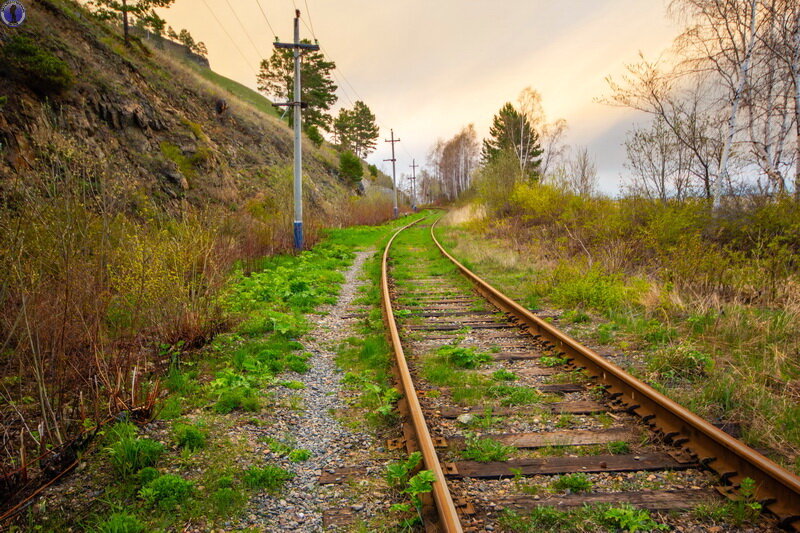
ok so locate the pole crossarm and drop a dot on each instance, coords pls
(298, 46)
(303, 105)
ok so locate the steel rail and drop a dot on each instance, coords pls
(445, 507)
(776, 488)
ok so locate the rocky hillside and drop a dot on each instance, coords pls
(77, 100)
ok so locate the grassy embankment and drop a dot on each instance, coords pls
(188, 466)
(703, 306)
(108, 264)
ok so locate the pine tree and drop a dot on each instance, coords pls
(512, 132)
(365, 129)
(276, 79)
(355, 129)
(130, 11)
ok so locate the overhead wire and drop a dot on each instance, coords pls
(247, 61)
(246, 33)
(264, 14)
(310, 21)
(341, 72)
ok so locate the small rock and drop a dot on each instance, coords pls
(466, 418)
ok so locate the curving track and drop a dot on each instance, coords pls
(558, 407)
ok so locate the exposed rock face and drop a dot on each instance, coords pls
(138, 115)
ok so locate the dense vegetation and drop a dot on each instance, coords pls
(115, 246)
(704, 303)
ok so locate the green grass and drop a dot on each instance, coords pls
(128, 455)
(121, 523)
(189, 437)
(270, 478)
(485, 450)
(572, 482)
(240, 91)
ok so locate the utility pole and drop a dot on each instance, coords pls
(414, 166)
(298, 48)
(394, 178)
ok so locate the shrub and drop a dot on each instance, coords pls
(166, 492)
(591, 288)
(270, 478)
(41, 71)
(189, 437)
(147, 474)
(350, 166)
(121, 523)
(313, 134)
(129, 455)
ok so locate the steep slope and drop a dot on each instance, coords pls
(136, 117)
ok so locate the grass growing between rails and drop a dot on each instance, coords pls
(704, 307)
(193, 465)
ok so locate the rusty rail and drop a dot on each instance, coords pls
(445, 507)
(777, 488)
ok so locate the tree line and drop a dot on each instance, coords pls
(725, 104)
(522, 146)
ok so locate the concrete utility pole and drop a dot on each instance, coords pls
(414, 166)
(297, 104)
(394, 178)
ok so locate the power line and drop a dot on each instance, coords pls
(264, 14)
(309, 20)
(247, 61)
(258, 53)
(341, 73)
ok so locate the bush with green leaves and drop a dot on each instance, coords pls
(398, 473)
(121, 523)
(630, 519)
(39, 69)
(146, 475)
(189, 436)
(166, 492)
(350, 166)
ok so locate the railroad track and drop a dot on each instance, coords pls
(511, 414)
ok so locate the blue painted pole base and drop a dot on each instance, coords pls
(298, 235)
(395, 212)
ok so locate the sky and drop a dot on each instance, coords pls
(429, 68)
